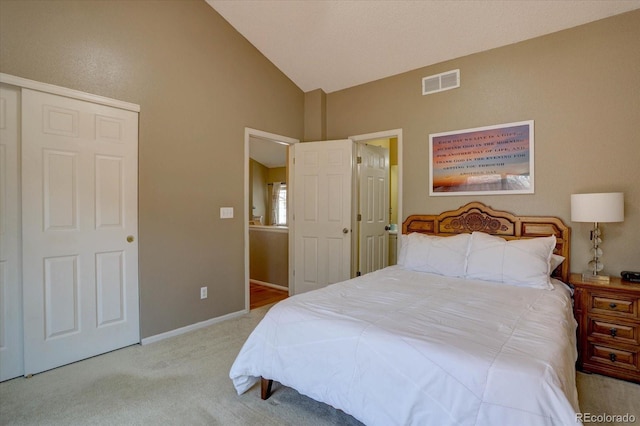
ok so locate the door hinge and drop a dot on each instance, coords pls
(359, 160)
(359, 217)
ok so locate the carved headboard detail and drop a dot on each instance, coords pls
(476, 216)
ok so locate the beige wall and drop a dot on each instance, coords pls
(198, 84)
(582, 88)
(315, 115)
(277, 174)
(269, 256)
(258, 178)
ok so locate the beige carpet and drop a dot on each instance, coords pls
(184, 380)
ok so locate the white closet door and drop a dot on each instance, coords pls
(79, 219)
(11, 358)
(322, 213)
(374, 208)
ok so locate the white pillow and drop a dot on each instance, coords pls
(437, 255)
(524, 263)
(402, 249)
(555, 261)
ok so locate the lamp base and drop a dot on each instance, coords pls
(588, 276)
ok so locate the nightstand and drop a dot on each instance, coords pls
(608, 316)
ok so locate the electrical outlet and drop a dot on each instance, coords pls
(203, 292)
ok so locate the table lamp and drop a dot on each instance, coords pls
(597, 208)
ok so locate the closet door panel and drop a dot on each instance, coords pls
(79, 207)
(11, 355)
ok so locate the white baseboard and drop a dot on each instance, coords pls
(192, 327)
(276, 286)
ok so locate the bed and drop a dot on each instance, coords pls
(474, 326)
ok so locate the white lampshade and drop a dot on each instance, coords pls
(601, 207)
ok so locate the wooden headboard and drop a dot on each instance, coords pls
(476, 216)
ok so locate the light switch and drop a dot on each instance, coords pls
(226, 212)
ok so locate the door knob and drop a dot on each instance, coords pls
(387, 228)
(130, 238)
(345, 231)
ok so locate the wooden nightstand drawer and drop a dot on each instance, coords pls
(615, 357)
(609, 304)
(608, 327)
(613, 330)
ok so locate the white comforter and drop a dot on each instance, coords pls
(410, 348)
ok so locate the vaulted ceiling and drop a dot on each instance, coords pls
(336, 44)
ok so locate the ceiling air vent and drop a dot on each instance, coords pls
(441, 82)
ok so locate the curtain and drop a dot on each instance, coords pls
(275, 192)
(279, 203)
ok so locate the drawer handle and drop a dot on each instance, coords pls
(613, 332)
(612, 305)
(612, 357)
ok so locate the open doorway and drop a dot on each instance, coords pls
(267, 254)
(391, 141)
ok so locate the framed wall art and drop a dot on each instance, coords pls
(482, 161)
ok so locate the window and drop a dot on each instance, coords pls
(279, 204)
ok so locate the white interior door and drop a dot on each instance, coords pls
(79, 220)
(322, 213)
(11, 356)
(373, 222)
